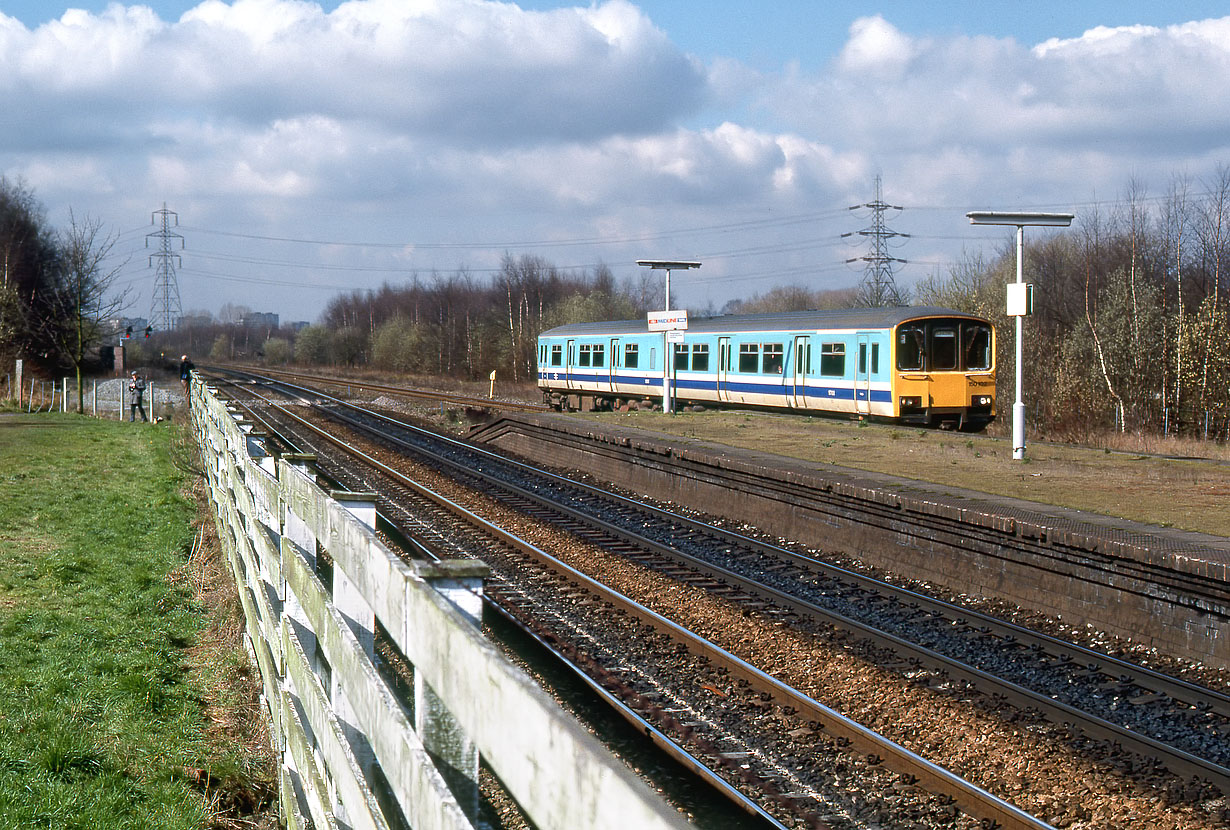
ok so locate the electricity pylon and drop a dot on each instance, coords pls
(165, 310)
(878, 288)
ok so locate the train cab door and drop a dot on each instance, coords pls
(802, 365)
(862, 376)
(613, 363)
(570, 363)
(723, 368)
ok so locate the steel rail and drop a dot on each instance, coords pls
(427, 394)
(658, 737)
(970, 798)
(1109, 665)
(1178, 761)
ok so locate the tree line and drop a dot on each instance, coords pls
(56, 287)
(1131, 324)
(1130, 330)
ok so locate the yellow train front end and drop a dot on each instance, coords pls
(944, 372)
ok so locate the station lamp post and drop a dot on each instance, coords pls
(1020, 298)
(664, 321)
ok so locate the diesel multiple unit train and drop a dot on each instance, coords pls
(915, 365)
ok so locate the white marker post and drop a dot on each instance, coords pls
(663, 321)
(1020, 299)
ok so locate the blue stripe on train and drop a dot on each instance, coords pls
(833, 393)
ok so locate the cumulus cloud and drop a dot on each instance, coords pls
(475, 72)
(473, 119)
(1140, 86)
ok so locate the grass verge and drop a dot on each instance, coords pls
(120, 668)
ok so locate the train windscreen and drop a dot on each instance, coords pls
(944, 346)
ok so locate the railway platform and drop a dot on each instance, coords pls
(1162, 587)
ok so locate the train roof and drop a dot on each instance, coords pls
(844, 318)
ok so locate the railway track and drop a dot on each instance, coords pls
(714, 561)
(455, 399)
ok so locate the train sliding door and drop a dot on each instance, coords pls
(570, 363)
(723, 368)
(613, 363)
(862, 377)
(802, 365)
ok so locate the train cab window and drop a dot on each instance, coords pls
(833, 360)
(700, 357)
(557, 355)
(976, 343)
(631, 356)
(774, 358)
(944, 348)
(749, 357)
(910, 348)
(681, 357)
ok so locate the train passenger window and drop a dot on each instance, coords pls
(749, 357)
(681, 357)
(585, 356)
(944, 348)
(557, 355)
(976, 341)
(910, 348)
(700, 357)
(599, 355)
(774, 358)
(631, 355)
(875, 358)
(833, 360)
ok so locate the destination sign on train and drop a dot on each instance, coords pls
(668, 320)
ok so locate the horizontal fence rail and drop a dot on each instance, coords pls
(353, 754)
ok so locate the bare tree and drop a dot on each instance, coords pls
(1175, 223)
(80, 296)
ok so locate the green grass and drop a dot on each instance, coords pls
(98, 717)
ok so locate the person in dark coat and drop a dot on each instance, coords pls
(185, 372)
(136, 392)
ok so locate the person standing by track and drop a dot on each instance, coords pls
(185, 372)
(136, 391)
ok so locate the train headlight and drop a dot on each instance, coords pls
(983, 401)
(911, 402)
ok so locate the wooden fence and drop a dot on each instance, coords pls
(355, 753)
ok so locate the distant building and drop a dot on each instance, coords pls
(260, 319)
(297, 326)
(195, 321)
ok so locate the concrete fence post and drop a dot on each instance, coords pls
(297, 540)
(461, 583)
(349, 601)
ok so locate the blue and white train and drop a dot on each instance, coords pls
(917, 365)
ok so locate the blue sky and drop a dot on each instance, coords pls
(309, 148)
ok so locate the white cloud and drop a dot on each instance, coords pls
(422, 120)
(876, 47)
(1145, 96)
